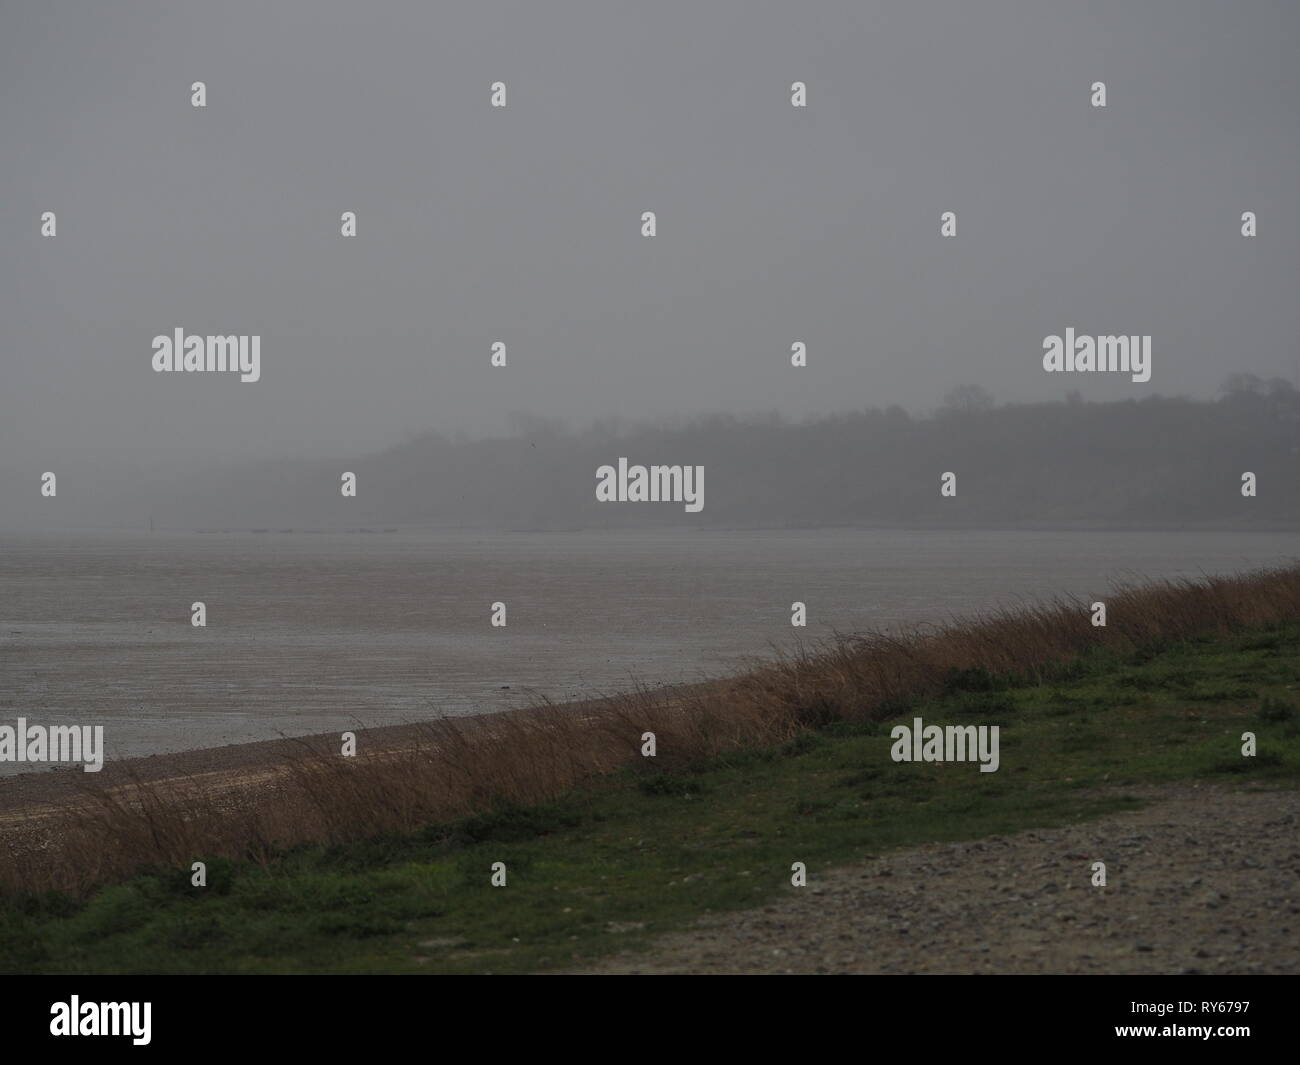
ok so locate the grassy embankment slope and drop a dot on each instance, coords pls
(646, 848)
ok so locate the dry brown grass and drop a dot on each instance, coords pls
(452, 768)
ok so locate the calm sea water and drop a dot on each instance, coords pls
(321, 632)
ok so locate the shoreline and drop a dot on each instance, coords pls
(248, 769)
(241, 774)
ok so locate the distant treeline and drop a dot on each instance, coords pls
(1139, 462)
(1154, 462)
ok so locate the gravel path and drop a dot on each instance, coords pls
(1205, 880)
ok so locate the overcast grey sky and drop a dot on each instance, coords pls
(523, 224)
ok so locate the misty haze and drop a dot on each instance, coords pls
(756, 375)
